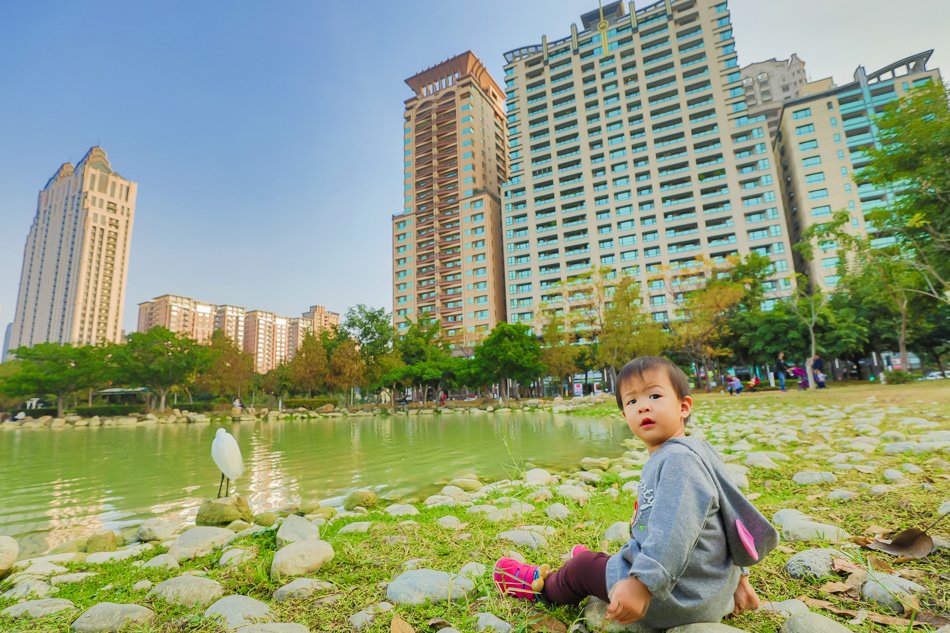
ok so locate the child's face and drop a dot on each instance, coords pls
(653, 411)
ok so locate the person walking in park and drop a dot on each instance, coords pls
(691, 531)
(781, 370)
(818, 370)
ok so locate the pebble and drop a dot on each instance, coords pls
(811, 623)
(109, 616)
(449, 522)
(813, 563)
(540, 477)
(37, 608)
(525, 538)
(557, 511)
(235, 556)
(237, 611)
(888, 589)
(473, 570)
(841, 495)
(199, 541)
(401, 509)
(362, 619)
(300, 558)
(618, 532)
(419, 585)
(810, 477)
(785, 607)
(162, 561)
(273, 627)
(187, 591)
(142, 585)
(295, 528)
(573, 493)
(485, 621)
(301, 588)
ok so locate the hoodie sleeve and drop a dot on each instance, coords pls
(683, 497)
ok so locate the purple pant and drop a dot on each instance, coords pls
(582, 576)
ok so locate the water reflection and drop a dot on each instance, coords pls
(55, 487)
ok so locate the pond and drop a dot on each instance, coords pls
(58, 485)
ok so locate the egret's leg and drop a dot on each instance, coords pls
(227, 487)
(219, 485)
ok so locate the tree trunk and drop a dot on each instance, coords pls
(89, 402)
(811, 358)
(60, 405)
(161, 402)
(902, 339)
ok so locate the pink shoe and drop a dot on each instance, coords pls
(519, 580)
(577, 549)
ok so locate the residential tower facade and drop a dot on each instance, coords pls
(195, 319)
(770, 83)
(76, 259)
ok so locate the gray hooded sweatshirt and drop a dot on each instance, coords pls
(684, 545)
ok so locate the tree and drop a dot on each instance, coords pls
(160, 359)
(309, 369)
(558, 353)
(426, 356)
(509, 352)
(627, 331)
(808, 304)
(346, 368)
(230, 371)
(55, 369)
(913, 161)
(372, 329)
(276, 382)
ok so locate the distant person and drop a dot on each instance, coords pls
(237, 404)
(442, 398)
(733, 385)
(818, 371)
(781, 370)
(691, 531)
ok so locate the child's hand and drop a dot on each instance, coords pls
(745, 597)
(629, 601)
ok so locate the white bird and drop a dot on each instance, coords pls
(227, 456)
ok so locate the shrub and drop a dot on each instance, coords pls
(897, 377)
(111, 409)
(196, 407)
(36, 413)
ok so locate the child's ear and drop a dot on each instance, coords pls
(686, 407)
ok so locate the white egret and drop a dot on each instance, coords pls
(227, 456)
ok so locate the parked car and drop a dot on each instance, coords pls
(936, 375)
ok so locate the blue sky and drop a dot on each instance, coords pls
(266, 137)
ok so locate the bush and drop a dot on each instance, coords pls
(196, 407)
(111, 409)
(309, 403)
(897, 377)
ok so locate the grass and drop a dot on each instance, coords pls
(364, 563)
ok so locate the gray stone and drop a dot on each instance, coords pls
(362, 498)
(525, 538)
(813, 563)
(557, 511)
(37, 608)
(362, 619)
(295, 528)
(301, 588)
(841, 495)
(761, 460)
(944, 508)
(893, 475)
(595, 615)
(29, 588)
(142, 585)
(401, 509)
(273, 627)
(473, 570)
(122, 554)
(888, 590)
(357, 527)
(112, 617)
(619, 532)
(539, 477)
(704, 627)
(574, 493)
(223, 511)
(300, 558)
(449, 522)
(199, 541)
(418, 585)
(9, 550)
(101, 542)
(810, 477)
(187, 591)
(811, 623)
(156, 530)
(162, 561)
(234, 556)
(237, 611)
(785, 607)
(490, 622)
(68, 579)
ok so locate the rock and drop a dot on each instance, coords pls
(101, 542)
(557, 511)
(473, 570)
(362, 619)
(142, 585)
(539, 477)
(273, 627)
(841, 495)
(525, 538)
(295, 528)
(237, 611)
(9, 550)
(238, 526)
(357, 527)
(122, 554)
(449, 522)
(109, 616)
(419, 585)
(309, 506)
(156, 530)
(811, 623)
(187, 591)
(162, 561)
(488, 621)
(941, 511)
(300, 558)
(704, 627)
(893, 475)
(808, 477)
(761, 460)
(468, 484)
(326, 408)
(889, 590)
(37, 608)
(575, 494)
(619, 532)
(595, 614)
(401, 509)
(813, 563)
(591, 463)
(29, 588)
(223, 511)
(68, 579)
(364, 498)
(234, 556)
(266, 519)
(301, 588)
(785, 607)
(199, 541)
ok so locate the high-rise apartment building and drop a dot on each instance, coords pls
(194, 319)
(447, 243)
(321, 319)
(298, 329)
(230, 320)
(631, 149)
(266, 336)
(822, 145)
(770, 83)
(75, 264)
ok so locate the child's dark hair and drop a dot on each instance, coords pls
(647, 364)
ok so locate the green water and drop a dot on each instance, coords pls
(57, 485)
